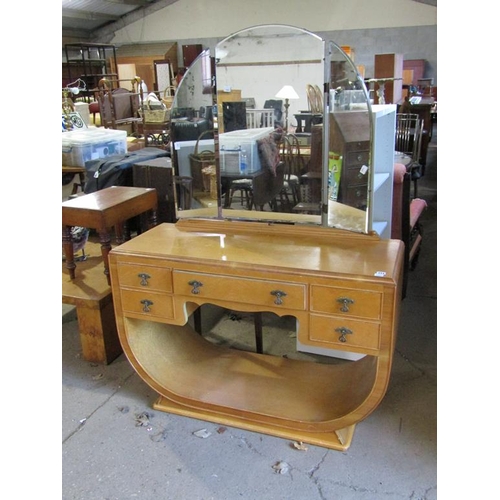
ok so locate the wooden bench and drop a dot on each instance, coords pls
(90, 293)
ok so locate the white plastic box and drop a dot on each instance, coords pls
(79, 146)
(231, 144)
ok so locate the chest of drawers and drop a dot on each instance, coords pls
(349, 138)
(342, 288)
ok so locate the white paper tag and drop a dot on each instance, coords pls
(363, 169)
(380, 274)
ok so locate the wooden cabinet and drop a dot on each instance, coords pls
(190, 53)
(144, 58)
(232, 96)
(350, 139)
(158, 173)
(343, 288)
(418, 68)
(389, 66)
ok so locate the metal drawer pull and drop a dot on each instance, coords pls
(343, 332)
(144, 278)
(345, 301)
(278, 294)
(195, 284)
(146, 303)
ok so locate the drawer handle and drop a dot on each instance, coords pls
(144, 278)
(343, 332)
(278, 294)
(146, 303)
(195, 284)
(345, 301)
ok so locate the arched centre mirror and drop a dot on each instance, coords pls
(275, 125)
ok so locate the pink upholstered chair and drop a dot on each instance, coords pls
(405, 223)
(93, 110)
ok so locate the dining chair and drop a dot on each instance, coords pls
(260, 118)
(294, 169)
(244, 188)
(314, 98)
(119, 106)
(409, 132)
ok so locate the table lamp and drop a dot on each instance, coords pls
(287, 93)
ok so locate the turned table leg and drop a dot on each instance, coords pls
(105, 240)
(68, 251)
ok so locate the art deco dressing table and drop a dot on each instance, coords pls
(343, 288)
(333, 271)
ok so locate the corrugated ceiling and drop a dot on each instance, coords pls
(81, 18)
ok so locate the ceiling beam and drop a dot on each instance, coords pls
(90, 16)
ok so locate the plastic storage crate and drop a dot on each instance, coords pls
(80, 146)
(232, 144)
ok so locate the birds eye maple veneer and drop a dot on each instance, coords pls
(343, 288)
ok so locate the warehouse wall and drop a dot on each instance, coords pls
(385, 26)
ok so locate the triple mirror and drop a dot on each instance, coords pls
(275, 126)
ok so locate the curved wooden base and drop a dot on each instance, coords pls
(337, 440)
(295, 399)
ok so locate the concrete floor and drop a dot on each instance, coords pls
(116, 447)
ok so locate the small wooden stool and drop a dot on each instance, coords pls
(103, 210)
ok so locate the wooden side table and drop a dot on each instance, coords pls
(103, 210)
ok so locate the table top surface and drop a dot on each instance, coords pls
(72, 170)
(107, 198)
(252, 244)
(108, 207)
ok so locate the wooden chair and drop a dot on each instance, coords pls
(294, 169)
(314, 98)
(119, 106)
(259, 118)
(409, 131)
(184, 187)
(277, 106)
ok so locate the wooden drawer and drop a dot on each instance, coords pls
(147, 304)
(145, 277)
(243, 290)
(357, 158)
(354, 176)
(358, 334)
(351, 302)
(355, 196)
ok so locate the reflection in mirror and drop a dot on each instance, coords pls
(192, 140)
(268, 69)
(271, 161)
(348, 128)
